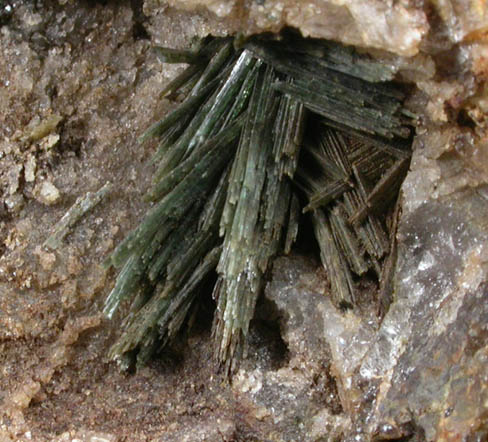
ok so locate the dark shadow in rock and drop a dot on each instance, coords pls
(266, 345)
(6, 11)
(464, 120)
(139, 31)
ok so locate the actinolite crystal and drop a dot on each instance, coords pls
(231, 182)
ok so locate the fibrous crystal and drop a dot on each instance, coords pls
(230, 183)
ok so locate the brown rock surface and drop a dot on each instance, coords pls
(78, 84)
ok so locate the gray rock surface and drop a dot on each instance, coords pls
(429, 357)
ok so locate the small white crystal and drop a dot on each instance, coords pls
(30, 169)
(49, 193)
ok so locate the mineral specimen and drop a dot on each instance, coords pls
(223, 193)
(81, 206)
(422, 371)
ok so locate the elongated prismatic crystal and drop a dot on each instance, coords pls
(266, 132)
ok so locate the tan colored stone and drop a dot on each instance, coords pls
(397, 27)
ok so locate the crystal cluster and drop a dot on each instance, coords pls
(230, 184)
